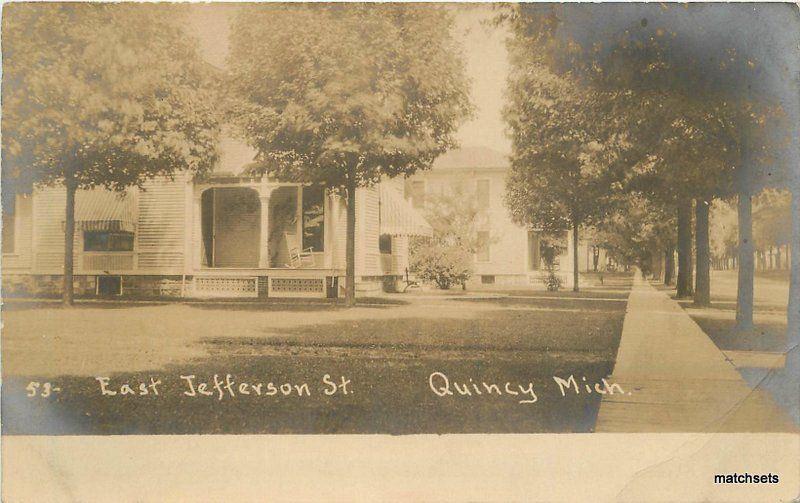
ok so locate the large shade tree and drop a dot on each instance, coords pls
(564, 162)
(100, 95)
(342, 95)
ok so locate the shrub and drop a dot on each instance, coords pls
(552, 282)
(445, 266)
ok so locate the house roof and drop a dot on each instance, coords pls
(471, 158)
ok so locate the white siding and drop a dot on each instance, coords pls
(399, 254)
(368, 232)
(508, 241)
(160, 233)
(21, 260)
(368, 261)
(48, 217)
(340, 233)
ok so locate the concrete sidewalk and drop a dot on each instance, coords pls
(676, 379)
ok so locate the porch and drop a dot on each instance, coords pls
(256, 238)
(259, 225)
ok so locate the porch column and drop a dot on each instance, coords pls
(300, 216)
(197, 235)
(264, 195)
(328, 236)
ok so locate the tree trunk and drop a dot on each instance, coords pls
(778, 264)
(788, 260)
(684, 249)
(669, 265)
(702, 289)
(68, 294)
(744, 288)
(575, 257)
(655, 266)
(350, 270)
(792, 367)
(793, 311)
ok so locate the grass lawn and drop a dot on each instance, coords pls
(387, 353)
(719, 321)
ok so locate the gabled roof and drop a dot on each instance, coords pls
(471, 158)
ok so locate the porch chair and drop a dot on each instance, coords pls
(298, 257)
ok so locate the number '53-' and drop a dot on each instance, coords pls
(35, 388)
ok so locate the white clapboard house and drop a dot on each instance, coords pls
(508, 254)
(228, 235)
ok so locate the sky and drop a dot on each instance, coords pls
(484, 53)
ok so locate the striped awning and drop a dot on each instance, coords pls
(399, 217)
(105, 210)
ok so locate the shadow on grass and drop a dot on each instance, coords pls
(510, 330)
(557, 303)
(765, 337)
(19, 305)
(281, 306)
(602, 293)
(270, 304)
(730, 306)
(389, 389)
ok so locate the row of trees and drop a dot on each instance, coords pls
(772, 231)
(338, 95)
(634, 119)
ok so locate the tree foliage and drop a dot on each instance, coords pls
(565, 147)
(638, 231)
(772, 219)
(699, 104)
(106, 94)
(455, 218)
(328, 90)
(446, 258)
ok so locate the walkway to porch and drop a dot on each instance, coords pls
(676, 379)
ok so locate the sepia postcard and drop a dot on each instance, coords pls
(400, 252)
